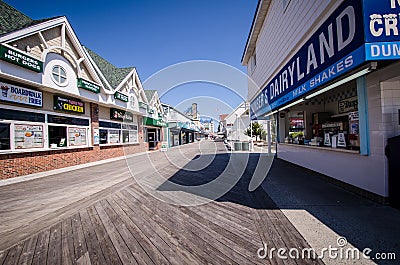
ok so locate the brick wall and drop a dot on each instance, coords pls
(19, 164)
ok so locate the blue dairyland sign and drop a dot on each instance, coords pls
(382, 27)
(334, 49)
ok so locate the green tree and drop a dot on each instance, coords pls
(257, 129)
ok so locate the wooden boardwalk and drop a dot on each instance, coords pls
(126, 225)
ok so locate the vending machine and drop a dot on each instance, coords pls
(354, 138)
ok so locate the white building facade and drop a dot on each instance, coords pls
(327, 73)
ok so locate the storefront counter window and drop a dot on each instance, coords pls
(61, 134)
(329, 120)
(115, 133)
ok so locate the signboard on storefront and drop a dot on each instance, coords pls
(120, 96)
(164, 146)
(348, 104)
(69, 104)
(382, 26)
(334, 49)
(21, 95)
(154, 122)
(87, 85)
(21, 59)
(121, 115)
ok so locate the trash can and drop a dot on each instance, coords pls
(392, 152)
(245, 146)
(237, 146)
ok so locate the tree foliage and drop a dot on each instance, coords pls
(256, 130)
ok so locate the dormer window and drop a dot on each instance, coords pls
(59, 75)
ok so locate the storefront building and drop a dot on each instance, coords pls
(61, 104)
(181, 128)
(327, 74)
(156, 131)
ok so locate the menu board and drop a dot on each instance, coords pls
(76, 136)
(113, 136)
(133, 136)
(28, 136)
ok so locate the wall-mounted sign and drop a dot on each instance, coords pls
(120, 96)
(348, 104)
(334, 49)
(154, 122)
(82, 83)
(121, 115)
(96, 135)
(21, 95)
(17, 57)
(382, 28)
(353, 116)
(68, 104)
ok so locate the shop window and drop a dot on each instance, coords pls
(28, 136)
(111, 133)
(133, 136)
(77, 136)
(114, 136)
(9, 114)
(59, 75)
(4, 136)
(107, 124)
(57, 136)
(67, 120)
(125, 136)
(103, 136)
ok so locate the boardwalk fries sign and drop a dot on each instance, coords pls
(21, 95)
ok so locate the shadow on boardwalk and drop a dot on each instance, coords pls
(363, 223)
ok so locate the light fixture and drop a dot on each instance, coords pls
(344, 80)
(28, 48)
(292, 104)
(271, 113)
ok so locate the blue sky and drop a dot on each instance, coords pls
(152, 35)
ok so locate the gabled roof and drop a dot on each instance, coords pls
(11, 19)
(113, 74)
(150, 94)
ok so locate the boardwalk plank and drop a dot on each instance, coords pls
(67, 243)
(84, 260)
(28, 250)
(94, 250)
(78, 237)
(138, 252)
(187, 239)
(14, 254)
(152, 250)
(109, 252)
(122, 249)
(200, 230)
(235, 242)
(54, 253)
(42, 245)
(166, 242)
(3, 255)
